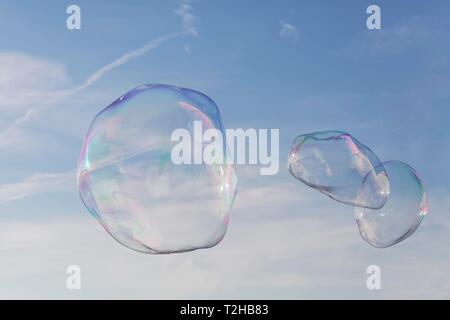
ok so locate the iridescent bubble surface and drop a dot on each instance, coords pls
(403, 212)
(336, 164)
(128, 182)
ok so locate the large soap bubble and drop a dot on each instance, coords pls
(336, 164)
(401, 215)
(128, 181)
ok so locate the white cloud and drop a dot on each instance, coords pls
(34, 84)
(30, 85)
(27, 82)
(186, 12)
(36, 183)
(52, 97)
(288, 250)
(288, 31)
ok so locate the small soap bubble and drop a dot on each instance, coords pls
(337, 164)
(403, 212)
(388, 198)
(129, 183)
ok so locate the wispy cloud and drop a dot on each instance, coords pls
(58, 95)
(36, 183)
(186, 12)
(288, 31)
(26, 80)
(297, 249)
(33, 93)
(29, 81)
(35, 87)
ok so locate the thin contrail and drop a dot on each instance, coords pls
(125, 58)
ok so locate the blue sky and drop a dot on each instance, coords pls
(326, 71)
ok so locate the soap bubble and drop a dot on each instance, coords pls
(389, 198)
(128, 182)
(336, 164)
(403, 212)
